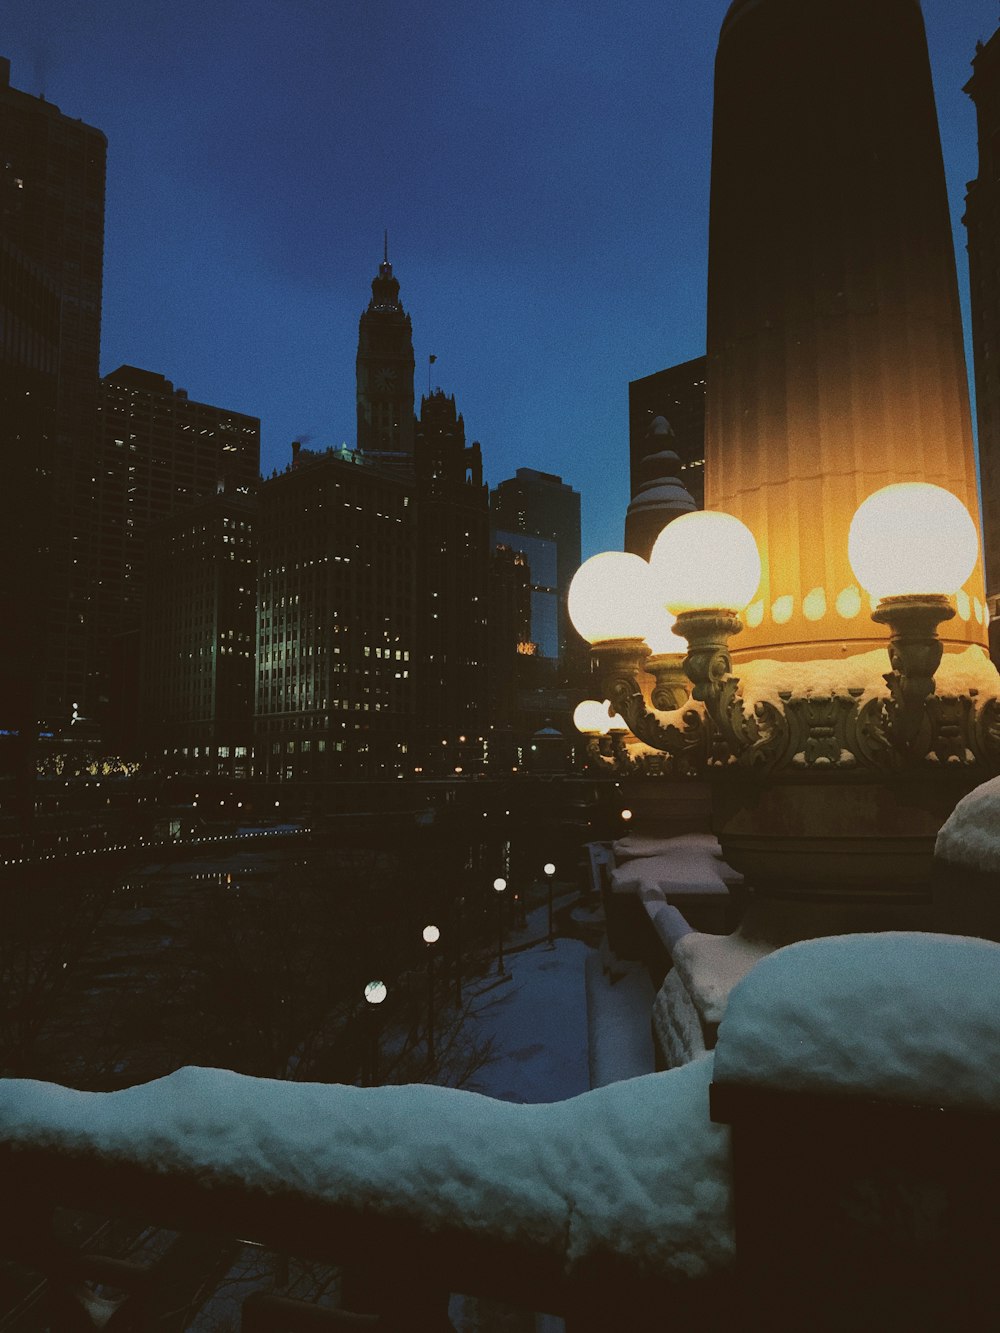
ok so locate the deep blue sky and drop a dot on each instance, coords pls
(542, 169)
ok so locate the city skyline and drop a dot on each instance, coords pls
(543, 178)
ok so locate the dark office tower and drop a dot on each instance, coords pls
(982, 218)
(509, 646)
(29, 360)
(52, 210)
(835, 357)
(158, 452)
(335, 620)
(539, 514)
(677, 396)
(452, 590)
(196, 686)
(385, 370)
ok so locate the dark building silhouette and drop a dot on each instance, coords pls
(159, 452)
(29, 361)
(52, 172)
(453, 549)
(982, 218)
(539, 514)
(509, 644)
(677, 396)
(834, 335)
(374, 649)
(196, 683)
(336, 612)
(385, 370)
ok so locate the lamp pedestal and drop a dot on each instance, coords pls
(914, 646)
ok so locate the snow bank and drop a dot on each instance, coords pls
(970, 836)
(711, 965)
(678, 869)
(914, 1017)
(764, 680)
(634, 845)
(636, 1168)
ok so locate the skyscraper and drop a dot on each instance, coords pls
(982, 212)
(52, 170)
(539, 514)
(158, 452)
(452, 535)
(336, 614)
(196, 679)
(385, 369)
(835, 354)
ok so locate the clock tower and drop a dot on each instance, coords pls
(385, 369)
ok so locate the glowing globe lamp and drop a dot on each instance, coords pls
(661, 637)
(431, 934)
(590, 717)
(705, 560)
(609, 597)
(375, 992)
(912, 538)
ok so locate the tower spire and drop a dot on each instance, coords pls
(385, 246)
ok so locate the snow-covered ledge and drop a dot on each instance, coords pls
(629, 1182)
(861, 1078)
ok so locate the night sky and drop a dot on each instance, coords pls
(542, 169)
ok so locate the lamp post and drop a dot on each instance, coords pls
(549, 871)
(431, 935)
(499, 884)
(375, 993)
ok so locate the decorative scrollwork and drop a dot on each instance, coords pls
(836, 729)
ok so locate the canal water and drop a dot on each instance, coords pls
(254, 957)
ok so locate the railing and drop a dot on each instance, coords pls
(399, 1273)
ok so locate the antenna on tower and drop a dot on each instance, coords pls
(385, 248)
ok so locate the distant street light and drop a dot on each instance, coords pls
(431, 936)
(499, 885)
(550, 870)
(375, 993)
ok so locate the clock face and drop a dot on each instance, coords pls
(385, 379)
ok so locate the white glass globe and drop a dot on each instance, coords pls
(375, 992)
(499, 884)
(910, 538)
(609, 597)
(431, 934)
(590, 716)
(705, 560)
(660, 635)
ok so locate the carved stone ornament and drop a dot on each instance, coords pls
(835, 729)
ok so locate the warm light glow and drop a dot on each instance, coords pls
(610, 596)
(963, 603)
(814, 604)
(848, 602)
(499, 884)
(660, 633)
(911, 538)
(375, 992)
(781, 611)
(431, 934)
(705, 560)
(590, 716)
(754, 614)
(626, 815)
